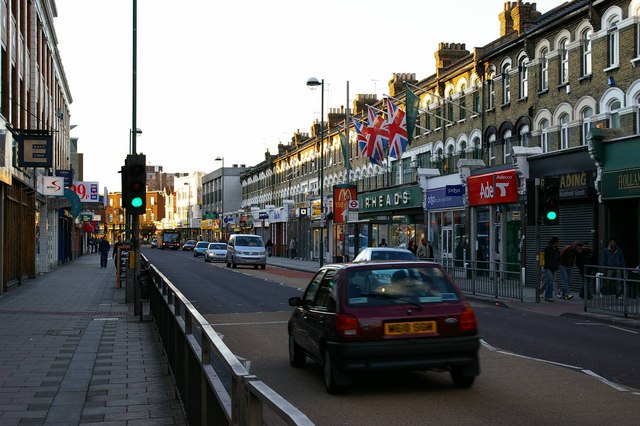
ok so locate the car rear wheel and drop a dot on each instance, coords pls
(460, 379)
(263, 266)
(228, 263)
(297, 358)
(334, 380)
(233, 263)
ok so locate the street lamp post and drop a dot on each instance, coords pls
(312, 83)
(189, 207)
(221, 217)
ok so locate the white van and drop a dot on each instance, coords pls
(246, 249)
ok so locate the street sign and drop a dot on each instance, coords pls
(352, 216)
(353, 204)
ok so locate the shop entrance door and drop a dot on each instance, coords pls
(447, 246)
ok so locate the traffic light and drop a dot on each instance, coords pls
(551, 203)
(134, 184)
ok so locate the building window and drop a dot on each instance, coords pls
(544, 135)
(477, 148)
(614, 114)
(586, 52)
(564, 62)
(451, 160)
(614, 42)
(463, 149)
(492, 92)
(438, 117)
(544, 70)
(564, 131)
(463, 103)
(492, 150)
(506, 139)
(506, 84)
(476, 97)
(524, 136)
(524, 77)
(427, 123)
(586, 123)
(450, 106)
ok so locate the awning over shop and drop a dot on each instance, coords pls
(88, 227)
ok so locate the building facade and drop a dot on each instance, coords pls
(497, 124)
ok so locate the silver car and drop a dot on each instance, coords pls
(384, 253)
(215, 252)
(246, 249)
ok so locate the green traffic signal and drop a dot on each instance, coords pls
(136, 202)
(552, 215)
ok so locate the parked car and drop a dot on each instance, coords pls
(154, 243)
(215, 252)
(189, 245)
(246, 249)
(362, 317)
(384, 253)
(200, 247)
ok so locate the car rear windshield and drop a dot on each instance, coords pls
(202, 244)
(385, 286)
(392, 255)
(218, 246)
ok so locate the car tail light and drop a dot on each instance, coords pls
(468, 320)
(347, 325)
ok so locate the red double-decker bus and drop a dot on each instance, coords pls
(169, 238)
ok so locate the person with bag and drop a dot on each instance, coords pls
(567, 261)
(551, 265)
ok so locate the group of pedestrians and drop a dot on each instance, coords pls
(578, 254)
(104, 247)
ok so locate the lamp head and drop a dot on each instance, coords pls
(313, 82)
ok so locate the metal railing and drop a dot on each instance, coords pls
(493, 279)
(612, 290)
(213, 384)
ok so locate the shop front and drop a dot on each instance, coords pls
(395, 215)
(619, 175)
(446, 222)
(495, 220)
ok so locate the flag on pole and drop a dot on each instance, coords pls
(377, 134)
(397, 125)
(344, 144)
(413, 104)
(361, 138)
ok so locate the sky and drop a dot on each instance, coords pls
(228, 78)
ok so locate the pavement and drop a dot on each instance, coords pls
(72, 352)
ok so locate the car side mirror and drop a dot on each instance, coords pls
(295, 301)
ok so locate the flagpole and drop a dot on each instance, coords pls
(345, 233)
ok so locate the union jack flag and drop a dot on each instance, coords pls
(361, 138)
(377, 134)
(397, 124)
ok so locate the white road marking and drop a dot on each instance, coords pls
(610, 326)
(573, 367)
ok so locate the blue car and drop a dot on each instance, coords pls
(200, 247)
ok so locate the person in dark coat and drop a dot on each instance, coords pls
(104, 248)
(551, 265)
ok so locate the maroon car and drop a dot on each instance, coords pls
(384, 316)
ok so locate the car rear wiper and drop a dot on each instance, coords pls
(384, 295)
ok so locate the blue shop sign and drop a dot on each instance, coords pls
(445, 197)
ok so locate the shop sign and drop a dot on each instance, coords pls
(574, 185)
(51, 185)
(493, 188)
(394, 199)
(35, 150)
(439, 198)
(87, 191)
(621, 184)
(342, 196)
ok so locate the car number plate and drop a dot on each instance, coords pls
(417, 327)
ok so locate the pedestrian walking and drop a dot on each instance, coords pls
(412, 247)
(114, 254)
(104, 248)
(567, 262)
(269, 246)
(613, 261)
(551, 264)
(584, 257)
(383, 243)
(421, 251)
(293, 248)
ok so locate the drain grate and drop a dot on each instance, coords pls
(74, 332)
